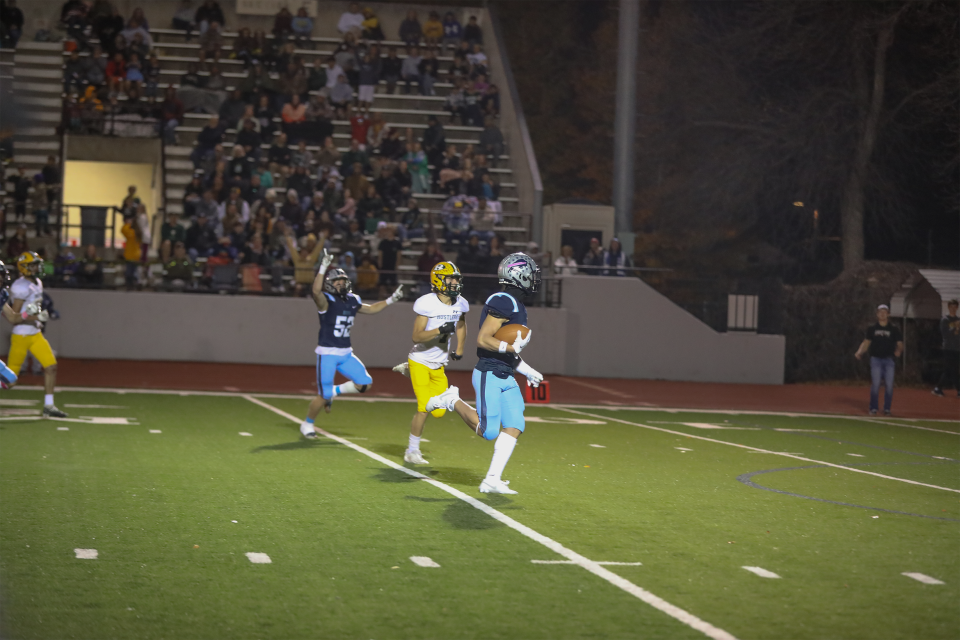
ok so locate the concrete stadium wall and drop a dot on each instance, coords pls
(623, 328)
(609, 327)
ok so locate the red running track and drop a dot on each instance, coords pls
(806, 398)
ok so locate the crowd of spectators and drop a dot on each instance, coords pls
(270, 188)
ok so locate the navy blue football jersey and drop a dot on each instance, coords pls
(337, 321)
(501, 305)
(4, 297)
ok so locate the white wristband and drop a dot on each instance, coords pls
(390, 301)
(503, 347)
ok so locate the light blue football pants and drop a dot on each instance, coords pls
(499, 403)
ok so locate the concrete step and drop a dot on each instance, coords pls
(34, 101)
(195, 118)
(29, 159)
(37, 132)
(30, 72)
(178, 165)
(25, 45)
(188, 134)
(32, 145)
(39, 87)
(44, 116)
(22, 59)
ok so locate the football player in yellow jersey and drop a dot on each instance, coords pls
(26, 299)
(439, 315)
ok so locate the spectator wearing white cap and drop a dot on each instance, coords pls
(884, 342)
(615, 260)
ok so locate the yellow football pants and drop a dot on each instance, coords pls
(35, 344)
(427, 383)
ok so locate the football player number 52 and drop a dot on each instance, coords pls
(343, 326)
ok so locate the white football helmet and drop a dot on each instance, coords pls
(519, 270)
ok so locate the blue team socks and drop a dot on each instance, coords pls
(308, 420)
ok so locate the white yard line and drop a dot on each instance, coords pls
(776, 453)
(919, 577)
(619, 564)
(258, 558)
(290, 396)
(760, 571)
(424, 561)
(897, 424)
(86, 554)
(597, 387)
(593, 567)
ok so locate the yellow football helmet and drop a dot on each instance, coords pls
(438, 279)
(30, 264)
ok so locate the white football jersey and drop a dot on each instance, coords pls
(30, 293)
(436, 353)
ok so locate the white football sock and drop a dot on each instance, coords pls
(48, 400)
(414, 443)
(502, 449)
(346, 387)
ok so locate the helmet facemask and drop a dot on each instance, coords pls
(330, 285)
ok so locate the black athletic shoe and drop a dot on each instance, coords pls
(51, 411)
(937, 391)
(886, 413)
(873, 412)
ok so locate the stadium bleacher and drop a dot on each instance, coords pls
(39, 80)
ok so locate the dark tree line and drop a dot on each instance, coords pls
(747, 107)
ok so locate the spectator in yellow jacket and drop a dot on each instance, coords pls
(132, 251)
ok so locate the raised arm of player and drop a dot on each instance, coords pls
(317, 289)
(486, 339)
(377, 307)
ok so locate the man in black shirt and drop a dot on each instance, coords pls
(950, 332)
(388, 251)
(885, 343)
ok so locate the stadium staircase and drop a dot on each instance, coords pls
(37, 78)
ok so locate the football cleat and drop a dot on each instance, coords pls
(445, 400)
(414, 457)
(51, 411)
(307, 430)
(937, 391)
(403, 369)
(491, 485)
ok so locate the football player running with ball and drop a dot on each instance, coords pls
(439, 315)
(499, 400)
(338, 307)
(7, 376)
(26, 298)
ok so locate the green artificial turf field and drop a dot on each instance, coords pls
(686, 501)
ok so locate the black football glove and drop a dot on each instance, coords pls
(456, 356)
(448, 328)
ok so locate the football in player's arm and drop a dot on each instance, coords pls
(500, 406)
(26, 299)
(337, 307)
(440, 315)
